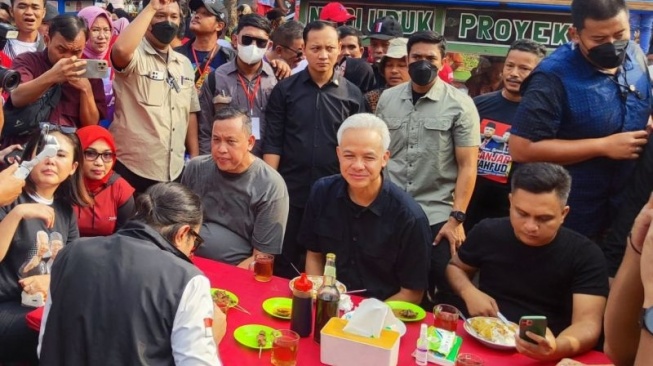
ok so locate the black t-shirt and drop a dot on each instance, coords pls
(360, 73)
(527, 280)
(381, 248)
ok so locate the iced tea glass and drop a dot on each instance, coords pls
(284, 347)
(445, 317)
(263, 265)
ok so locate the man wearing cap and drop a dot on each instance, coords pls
(28, 15)
(383, 30)
(208, 20)
(336, 13)
(51, 11)
(244, 83)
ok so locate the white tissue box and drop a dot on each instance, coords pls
(338, 348)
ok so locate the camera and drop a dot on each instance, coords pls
(9, 79)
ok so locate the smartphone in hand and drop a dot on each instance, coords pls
(96, 69)
(532, 323)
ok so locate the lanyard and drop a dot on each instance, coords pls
(205, 72)
(251, 97)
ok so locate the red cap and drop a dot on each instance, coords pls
(303, 283)
(336, 12)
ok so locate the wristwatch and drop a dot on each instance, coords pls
(647, 319)
(458, 215)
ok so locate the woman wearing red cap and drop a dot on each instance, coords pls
(112, 195)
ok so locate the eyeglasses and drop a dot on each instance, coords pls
(198, 240)
(46, 127)
(247, 40)
(92, 155)
(298, 54)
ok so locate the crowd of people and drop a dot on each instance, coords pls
(521, 192)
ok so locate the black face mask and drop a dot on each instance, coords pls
(422, 72)
(608, 55)
(165, 32)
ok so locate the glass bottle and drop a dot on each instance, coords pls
(328, 297)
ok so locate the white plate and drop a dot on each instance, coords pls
(494, 345)
(398, 327)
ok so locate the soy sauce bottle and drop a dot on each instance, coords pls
(328, 297)
(301, 318)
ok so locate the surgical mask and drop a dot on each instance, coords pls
(608, 55)
(422, 72)
(165, 32)
(250, 54)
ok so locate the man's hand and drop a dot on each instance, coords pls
(10, 186)
(281, 69)
(479, 303)
(8, 150)
(454, 232)
(81, 84)
(68, 69)
(625, 145)
(159, 4)
(36, 284)
(544, 350)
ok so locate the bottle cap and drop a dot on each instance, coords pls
(303, 283)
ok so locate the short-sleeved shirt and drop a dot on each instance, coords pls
(102, 217)
(527, 280)
(494, 160)
(229, 84)
(423, 139)
(31, 65)
(382, 248)
(241, 211)
(302, 120)
(24, 241)
(567, 98)
(151, 117)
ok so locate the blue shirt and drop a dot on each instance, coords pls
(567, 98)
(381, 248)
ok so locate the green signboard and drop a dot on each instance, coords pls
(412, 18)
(495, 27)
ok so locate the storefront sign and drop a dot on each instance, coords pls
(504, 27)
(412, 18)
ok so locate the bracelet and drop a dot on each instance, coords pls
(630, 240)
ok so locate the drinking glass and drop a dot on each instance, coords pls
(468, 359)
(284, 347)
(445, 317)
(262, 265)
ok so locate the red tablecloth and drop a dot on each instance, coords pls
(251, 295)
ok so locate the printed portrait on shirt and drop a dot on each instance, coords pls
(494, 160)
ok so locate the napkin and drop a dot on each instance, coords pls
(370, 317)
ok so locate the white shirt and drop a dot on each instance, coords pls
(20, 47)
(192, 342)
(300, 66)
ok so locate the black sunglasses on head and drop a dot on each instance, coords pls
(247, 40)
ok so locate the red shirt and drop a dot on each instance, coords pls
(100, 218)
(31, 65)
(446, 73)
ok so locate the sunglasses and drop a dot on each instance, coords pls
(46, 127)
(198, 240)
(247, 40)
(297, 53)
(92, 155)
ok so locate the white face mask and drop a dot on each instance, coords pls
(250, 54)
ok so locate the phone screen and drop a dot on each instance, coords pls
(533, 324)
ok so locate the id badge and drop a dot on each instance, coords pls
(256, 127)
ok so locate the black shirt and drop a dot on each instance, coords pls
(360, 73)
(380, 248)
(490, 198)
(302, 120)
(526, 280)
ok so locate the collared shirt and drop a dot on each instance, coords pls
(381, 248)
(228, 86)
(423, 139)
(151, 117)
(568, 98)
(32, 65)
(302, 122)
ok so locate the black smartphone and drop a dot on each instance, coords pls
(535, 324)
(11, 157)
